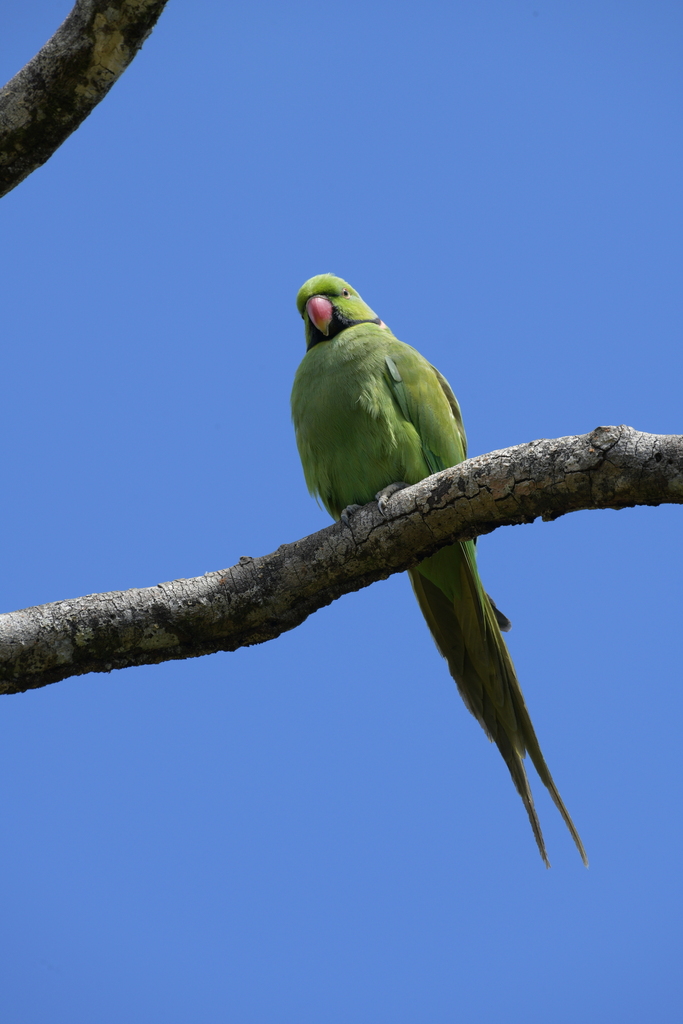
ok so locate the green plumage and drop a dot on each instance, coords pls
(369, 411)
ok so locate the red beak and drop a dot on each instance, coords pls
(320, 311)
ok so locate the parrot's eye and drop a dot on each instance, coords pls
(345, 293)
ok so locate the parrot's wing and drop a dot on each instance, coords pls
(461, 617)
(427, 401)
(455, 409)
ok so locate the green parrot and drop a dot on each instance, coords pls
(371, 416)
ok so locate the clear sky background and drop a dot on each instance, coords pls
(315, 830)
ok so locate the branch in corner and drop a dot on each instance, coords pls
(50, 97)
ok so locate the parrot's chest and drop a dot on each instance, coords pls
(346, 401)
(352, 438)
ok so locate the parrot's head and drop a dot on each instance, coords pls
(328, 306)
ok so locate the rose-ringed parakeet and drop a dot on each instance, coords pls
(370, 412)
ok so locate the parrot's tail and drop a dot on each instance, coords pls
(465, 628)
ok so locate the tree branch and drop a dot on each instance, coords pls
(256, 600)
(50, 97)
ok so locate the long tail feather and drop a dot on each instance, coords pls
(466, 630)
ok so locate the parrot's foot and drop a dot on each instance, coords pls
(348, 512)
(382, 497)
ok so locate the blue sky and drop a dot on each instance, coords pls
(315, 829)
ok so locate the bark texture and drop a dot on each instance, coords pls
(50, 97)
(256, 600)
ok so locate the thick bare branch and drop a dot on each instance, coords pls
(49, 98)
(256, 600)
